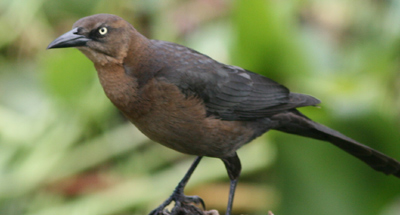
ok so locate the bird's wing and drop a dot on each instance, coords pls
(228, 92)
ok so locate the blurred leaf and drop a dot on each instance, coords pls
(67, 74)
(266, 39)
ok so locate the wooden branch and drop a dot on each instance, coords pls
(188, 209)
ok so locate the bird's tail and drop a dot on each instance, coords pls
(296, 123)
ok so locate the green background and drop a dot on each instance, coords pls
(64, 149)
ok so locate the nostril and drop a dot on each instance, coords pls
(78, 30)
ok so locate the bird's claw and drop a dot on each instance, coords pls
(194, 199)
(182, 203)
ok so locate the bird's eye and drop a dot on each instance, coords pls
(103, 31)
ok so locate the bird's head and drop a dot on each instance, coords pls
(103, 38)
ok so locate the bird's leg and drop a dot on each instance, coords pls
(233, 166)
(232, 189)
(178, 196)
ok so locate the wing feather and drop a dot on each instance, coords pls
(228, 92)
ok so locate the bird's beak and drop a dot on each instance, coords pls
(69, 39)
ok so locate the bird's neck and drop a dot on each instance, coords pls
(140, 59)
(142, 62)
(122, 82)
(118, 87)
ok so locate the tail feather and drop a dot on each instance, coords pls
(296, 123)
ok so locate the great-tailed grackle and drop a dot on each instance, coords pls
(193, 104)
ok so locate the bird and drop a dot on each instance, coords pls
(194, 104)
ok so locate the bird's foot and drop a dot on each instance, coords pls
(183, 205)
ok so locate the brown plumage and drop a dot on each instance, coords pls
(194, 104)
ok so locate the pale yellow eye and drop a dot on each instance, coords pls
(103, 30)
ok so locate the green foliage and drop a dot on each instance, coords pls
(64, 149)
(67, 76)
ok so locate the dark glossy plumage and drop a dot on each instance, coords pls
(228, 92)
